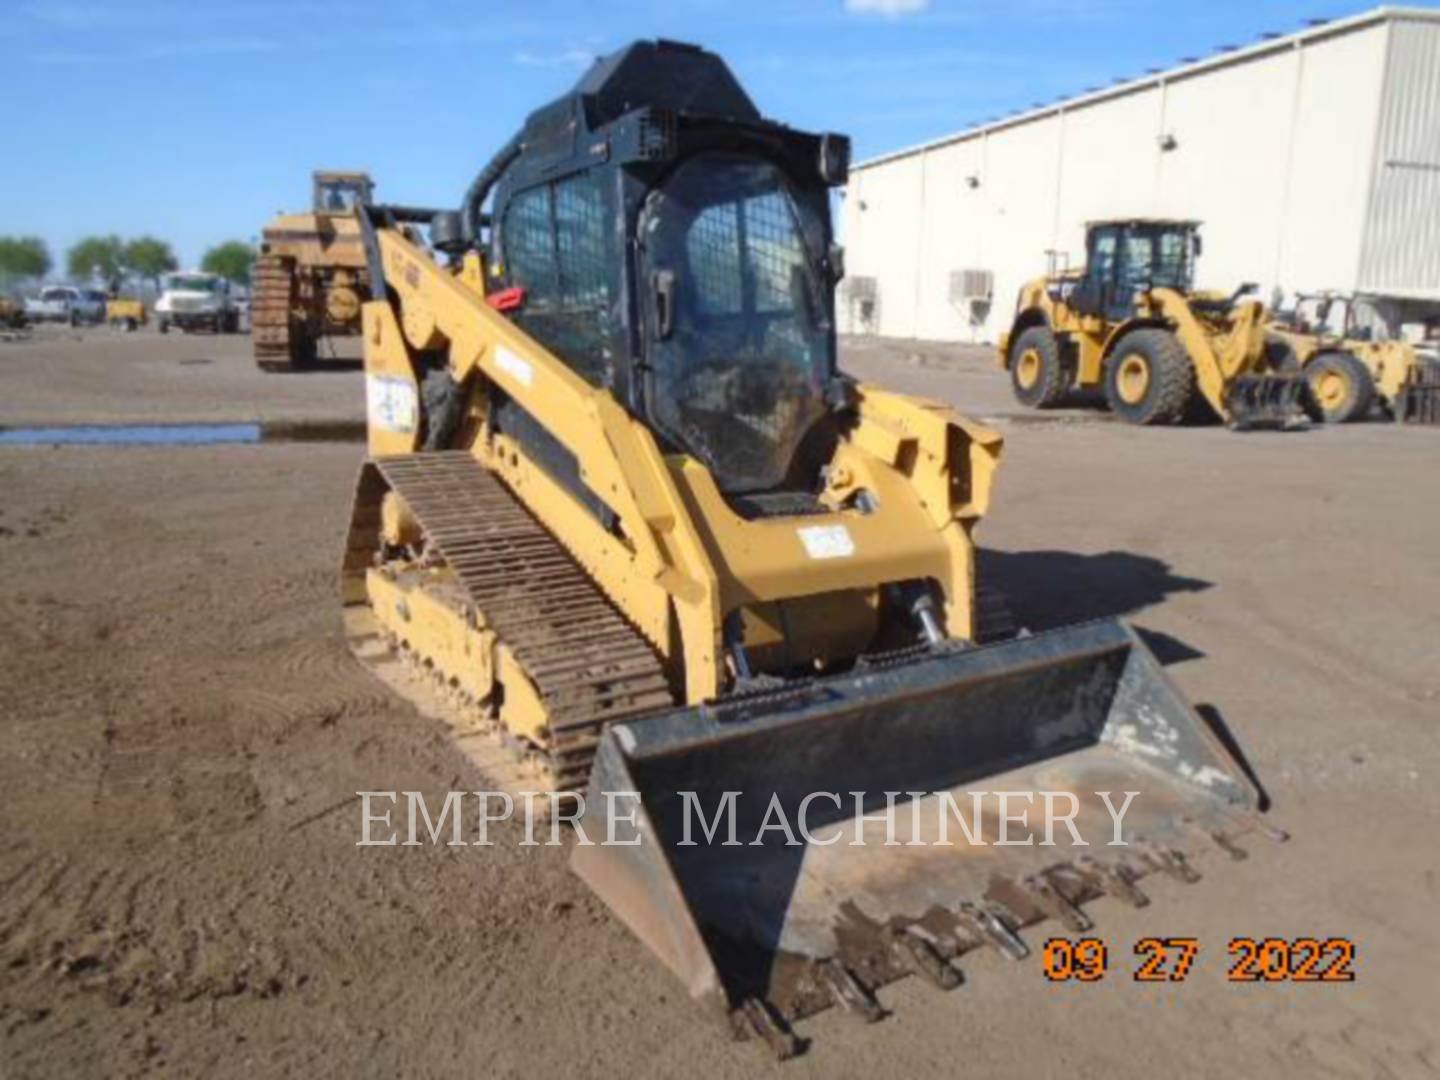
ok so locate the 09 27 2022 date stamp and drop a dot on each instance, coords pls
(1171, 959)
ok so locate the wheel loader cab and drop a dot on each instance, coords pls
(1126, 258)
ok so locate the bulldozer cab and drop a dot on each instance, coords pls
(341, 192)
(1124, 258)
(718, 333)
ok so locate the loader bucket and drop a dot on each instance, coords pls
(769, 931)
(1273, 401)
(1419, 398)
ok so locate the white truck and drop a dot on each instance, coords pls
(195, 300)
(67, 304)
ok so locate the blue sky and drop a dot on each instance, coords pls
(196, 120)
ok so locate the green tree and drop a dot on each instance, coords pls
(149, 257)
(232, 259)
(100, 257)
(23, 257)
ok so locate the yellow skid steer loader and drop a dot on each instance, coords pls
(630, 531)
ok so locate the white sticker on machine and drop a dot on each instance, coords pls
(391, 403)
(513, 365)
(827, 541)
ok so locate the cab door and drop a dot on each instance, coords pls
(1094, 294)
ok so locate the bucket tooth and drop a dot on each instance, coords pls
(1237, 824)
(1111, 879)
(756, 1017)
(1168, 861)
(1046, 895)
(991, 929)
(847, 992)
(923, 958)
(1216, 837)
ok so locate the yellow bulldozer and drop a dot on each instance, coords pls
(12, 314)
(1349, 371)
(309, 278)
(1131, 323)
(629, 531)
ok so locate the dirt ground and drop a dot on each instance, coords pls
(183, 734)
(102, 375)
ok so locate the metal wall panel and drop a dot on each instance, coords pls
(1328, 176)
(1401, 252)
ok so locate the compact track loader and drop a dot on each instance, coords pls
(628, 529)
(1350, 372)
(1131, 323)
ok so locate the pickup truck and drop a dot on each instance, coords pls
(66, 303)
(196, 301)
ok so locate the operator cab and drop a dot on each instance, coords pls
(676, 248)
(341, 192)
(739, 342)
(1123, 258)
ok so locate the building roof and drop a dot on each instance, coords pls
(1225, 56)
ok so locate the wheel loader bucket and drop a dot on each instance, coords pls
(1273, 401)
(1419, 398)
(730, 839)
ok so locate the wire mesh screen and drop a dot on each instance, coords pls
(737, 377)
(713, 248)
(763, 228)
(581, 241)
(529, 244)
(557, 242)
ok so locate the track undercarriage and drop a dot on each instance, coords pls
(494, 611)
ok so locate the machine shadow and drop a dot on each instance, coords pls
(1050, 589)
(330, 365)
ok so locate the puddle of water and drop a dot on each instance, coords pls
(131, 435)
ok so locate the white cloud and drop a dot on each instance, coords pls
(888, 8)
(565, 58)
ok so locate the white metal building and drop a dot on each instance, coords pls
(1313, 159)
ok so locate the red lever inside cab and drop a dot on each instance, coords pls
(507, 299)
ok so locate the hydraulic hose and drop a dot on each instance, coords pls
(481, 185)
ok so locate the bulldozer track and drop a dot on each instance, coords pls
(271, 316)
(589, 665)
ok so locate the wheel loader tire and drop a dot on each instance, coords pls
(1037, 374)
(1341, 387)
(1149, 378)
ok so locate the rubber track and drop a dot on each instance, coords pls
(589, 664)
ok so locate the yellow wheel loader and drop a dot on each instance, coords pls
(1349, 372)
(630, 532)
(1131, 323)
(309, 278)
